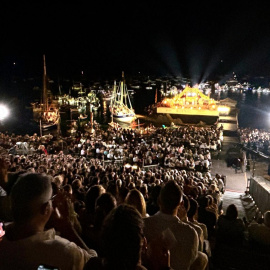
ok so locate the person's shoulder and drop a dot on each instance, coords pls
(66, 246)
(221, 218)
(254, 225)
(186, 228)
(197, 227)
(239, 221)
(94, 264)
(150, 219)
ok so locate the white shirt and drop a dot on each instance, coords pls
(185, 251)
(42, 248)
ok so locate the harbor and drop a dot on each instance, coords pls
(100, 141)
(135, 136)
(146, 133)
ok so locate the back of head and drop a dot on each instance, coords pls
(203, 202)
(105, 203)
(76, 184)
(12, 178)
(193, 208)
(186, 202)
(136, 199)
(170, 196)
(68, 188)
(92, 194)
(113, 189)
(154, 193)
(266, 217)
(58, 180)
(231, 212)
(29, 192)
(121, 237)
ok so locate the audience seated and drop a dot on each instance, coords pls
(182, 214)
(152, 206)
(207, 217)
(123, 244)
(105, 203)
(82, 180)
(88, 214)
(259, 233)
(230, 229)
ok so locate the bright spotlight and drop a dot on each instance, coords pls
(4, 112)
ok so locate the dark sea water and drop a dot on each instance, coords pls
(254, 110)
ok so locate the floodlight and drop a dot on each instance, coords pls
(4, 112)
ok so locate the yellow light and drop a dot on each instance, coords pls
(183, 107)
(224, 109)
(199, 108)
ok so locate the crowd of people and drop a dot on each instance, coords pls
(182, 148)
(255, 139)
(116, 199)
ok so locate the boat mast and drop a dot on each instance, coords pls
(114, 98)
(122, 87)
(45, 98)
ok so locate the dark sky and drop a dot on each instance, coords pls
(188, 39)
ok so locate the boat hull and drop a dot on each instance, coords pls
(124, 118)
(48, 126)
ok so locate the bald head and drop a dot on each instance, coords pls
(27, 195)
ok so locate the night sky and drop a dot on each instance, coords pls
(185, 39)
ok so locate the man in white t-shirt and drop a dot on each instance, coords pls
(27, 244)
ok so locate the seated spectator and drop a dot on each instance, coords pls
(105, 203)
(259, 233)
(193, 215)
(27, 244)
(183, 242)
(182, 214)
(212, 206)
(230, 229)
(207, 217)
(77, 190)
(122, 241)
(136, 199)
(88, 215)
(152, 206)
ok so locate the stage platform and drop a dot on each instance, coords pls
(187, 111)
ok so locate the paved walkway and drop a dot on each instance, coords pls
(237, 183)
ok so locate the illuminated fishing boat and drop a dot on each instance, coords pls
(48, 116)
(121, 107)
